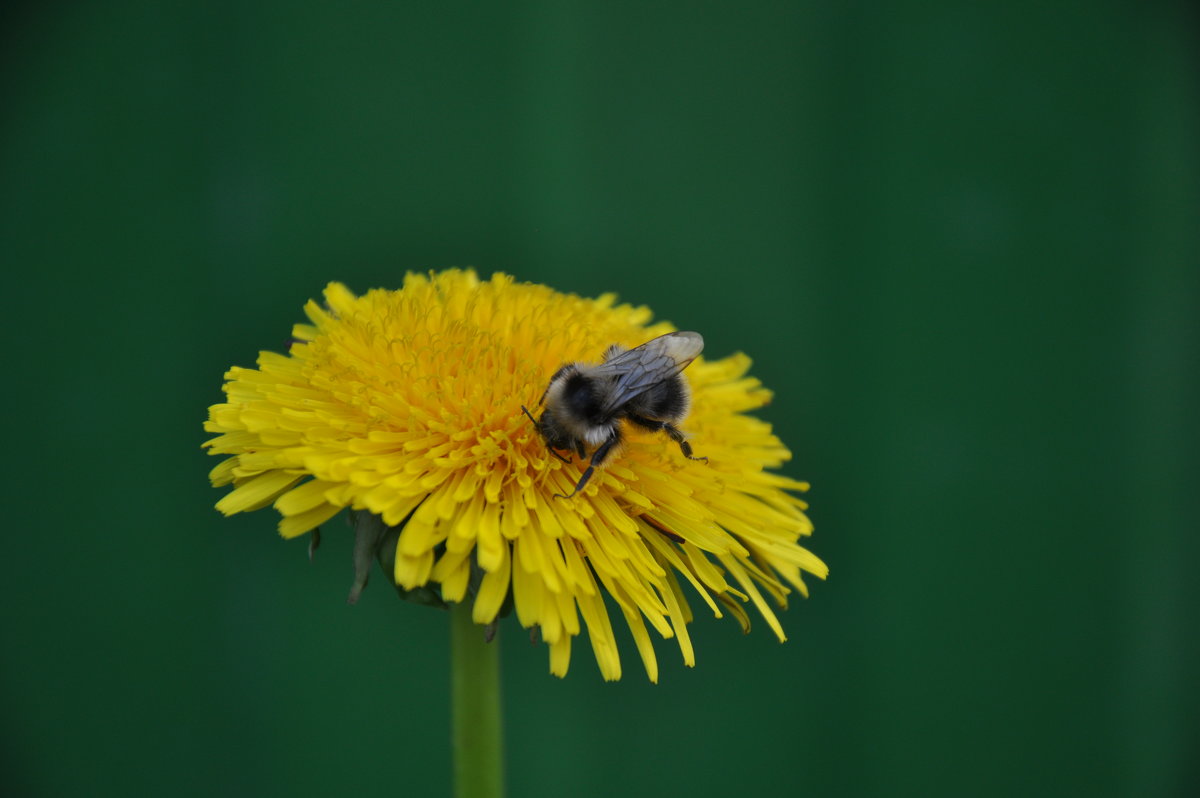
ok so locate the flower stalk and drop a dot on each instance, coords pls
(475, 708)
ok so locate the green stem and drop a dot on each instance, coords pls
(475, 708)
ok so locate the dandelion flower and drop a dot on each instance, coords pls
(405, 406)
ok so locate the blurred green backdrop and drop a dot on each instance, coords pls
(960, 242)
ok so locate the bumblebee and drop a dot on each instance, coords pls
(585, 404)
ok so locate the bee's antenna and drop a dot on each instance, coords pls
(525, 410)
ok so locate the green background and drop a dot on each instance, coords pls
(960, 242)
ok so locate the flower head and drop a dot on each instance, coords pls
(406, 405)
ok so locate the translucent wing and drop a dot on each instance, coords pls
(638, 370)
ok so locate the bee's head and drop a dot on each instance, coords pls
(571, 417)
(554, 433)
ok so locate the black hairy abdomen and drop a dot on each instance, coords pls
(666, 401)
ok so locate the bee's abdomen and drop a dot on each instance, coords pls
(667, 401)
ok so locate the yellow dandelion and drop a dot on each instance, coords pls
(406, 406)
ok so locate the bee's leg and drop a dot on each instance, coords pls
(672, 432)
(684, 446)
(598, 458)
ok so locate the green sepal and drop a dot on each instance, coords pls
(369, 531)
(376, 541)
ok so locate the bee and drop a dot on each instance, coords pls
(585, 404)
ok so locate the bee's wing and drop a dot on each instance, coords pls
(638, 370)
